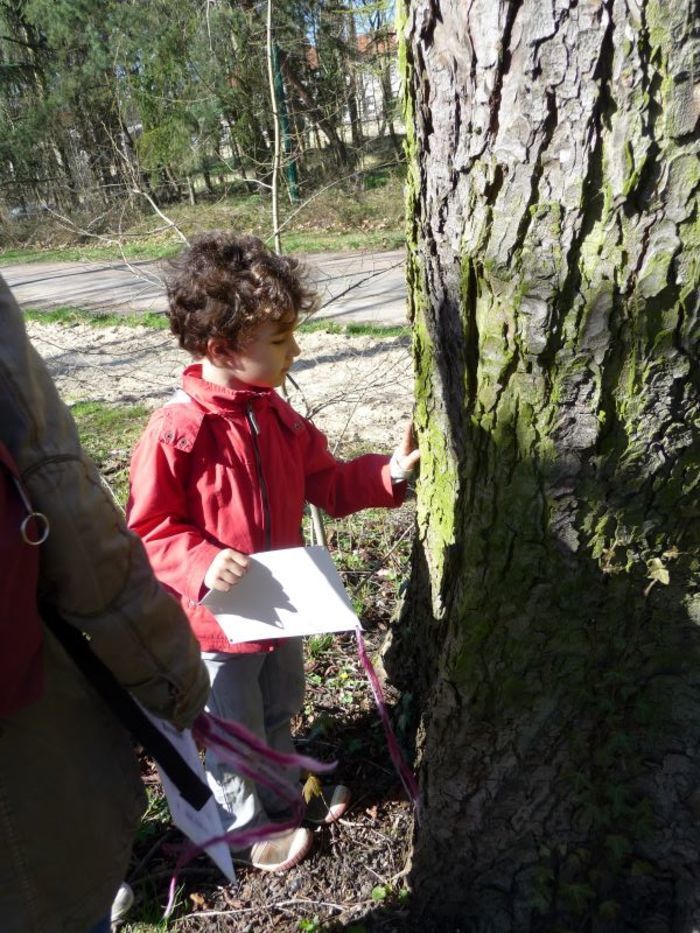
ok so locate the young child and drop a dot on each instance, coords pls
(223, 471)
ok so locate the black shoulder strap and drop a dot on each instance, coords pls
(125, 708)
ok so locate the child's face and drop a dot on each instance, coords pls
(266, 358)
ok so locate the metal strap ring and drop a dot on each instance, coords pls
(43, 528)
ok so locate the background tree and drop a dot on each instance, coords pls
(27, 164)
(550, 631)
(101, 99)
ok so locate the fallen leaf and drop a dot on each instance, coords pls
(312, 788)
(657, 571)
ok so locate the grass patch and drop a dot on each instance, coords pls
(156, 820)
(308, 244)
(337, 219)
(70, 316)
(135, 251)
(325, 326)
(108, 434)
(298, 242)
(318, 645)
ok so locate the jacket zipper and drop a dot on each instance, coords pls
(255, 431)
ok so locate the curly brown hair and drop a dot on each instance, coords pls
(224, 285)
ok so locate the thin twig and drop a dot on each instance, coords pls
(159, 212)
(276, 905)
(360, 282)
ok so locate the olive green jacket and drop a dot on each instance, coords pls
(70, 794)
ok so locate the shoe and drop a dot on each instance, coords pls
(278, 853)
(329, 805)
(122, 903)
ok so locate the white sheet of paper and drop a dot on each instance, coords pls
(295, 591)
(197, 825)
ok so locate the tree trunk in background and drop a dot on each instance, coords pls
(550, 630)
(356, 129)
(313, 112)
(389, 106)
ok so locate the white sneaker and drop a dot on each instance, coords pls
(279, 853)
(329, 805)
(122, 903)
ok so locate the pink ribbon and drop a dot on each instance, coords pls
(405, 774)
(248, 755)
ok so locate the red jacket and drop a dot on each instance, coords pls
(220, 467)
(21, 668)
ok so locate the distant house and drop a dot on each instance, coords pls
(377, 82)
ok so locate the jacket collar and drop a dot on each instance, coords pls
(216, 398)
(220, 399)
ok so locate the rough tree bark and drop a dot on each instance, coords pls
(549, 635)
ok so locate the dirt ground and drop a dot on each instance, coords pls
(359, 390)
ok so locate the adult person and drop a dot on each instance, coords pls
(70, 793)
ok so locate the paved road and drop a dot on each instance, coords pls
(358, 287)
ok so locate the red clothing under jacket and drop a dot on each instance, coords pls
(220, 467)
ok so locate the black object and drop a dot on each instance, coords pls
(127, 710)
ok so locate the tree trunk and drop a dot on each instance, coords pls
(356, 132)
(313, 112)
(389, 104)
(549, 635)
(191, 197)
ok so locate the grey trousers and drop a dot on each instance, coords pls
(261, 692)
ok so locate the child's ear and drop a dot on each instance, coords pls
(219, 351)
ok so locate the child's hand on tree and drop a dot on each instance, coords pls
(226, 570)
(405, 457)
